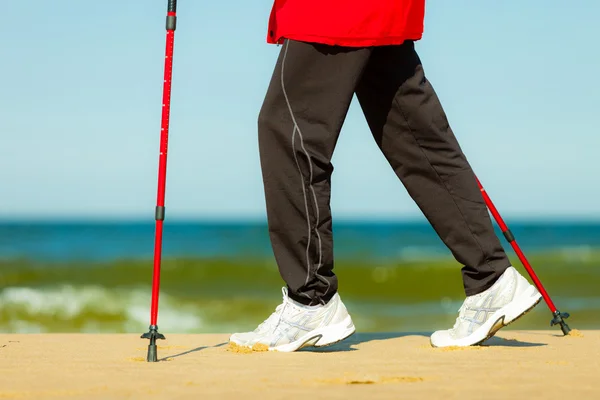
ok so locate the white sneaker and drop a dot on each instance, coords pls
(293, 326)
(483, 314)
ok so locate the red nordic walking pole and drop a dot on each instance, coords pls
(153, 333)
(559, 318)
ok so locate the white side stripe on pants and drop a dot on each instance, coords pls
(297, 129)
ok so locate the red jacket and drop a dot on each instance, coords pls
(353, 23)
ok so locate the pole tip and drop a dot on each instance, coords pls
(559, 319)
(152, 354)
(153, 335)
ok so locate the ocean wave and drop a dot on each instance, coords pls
(89, 308)
(226, 295)
(95, 309)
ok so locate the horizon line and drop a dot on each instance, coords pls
(224, 219)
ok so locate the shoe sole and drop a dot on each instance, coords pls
(501, 318)
(499, 324)
(322, 337)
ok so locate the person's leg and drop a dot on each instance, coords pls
(299, 124)
(410, 126)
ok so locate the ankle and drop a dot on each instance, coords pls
(306, 302)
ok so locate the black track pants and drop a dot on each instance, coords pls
(299, 124)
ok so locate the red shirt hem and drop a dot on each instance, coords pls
(346, 42)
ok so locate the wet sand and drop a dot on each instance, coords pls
(525, 364)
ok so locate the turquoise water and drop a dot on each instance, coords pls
(63, 241)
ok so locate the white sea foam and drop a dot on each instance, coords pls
(90, 309)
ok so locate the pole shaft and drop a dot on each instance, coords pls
(162, 161)
(516, 247)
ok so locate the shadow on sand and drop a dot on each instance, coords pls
(359, 338)
(192, 351)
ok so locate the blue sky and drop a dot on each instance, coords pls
(82, 84)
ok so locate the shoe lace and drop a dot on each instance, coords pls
(461, 314)
(275, 318)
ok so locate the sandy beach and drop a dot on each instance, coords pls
(527, 364)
